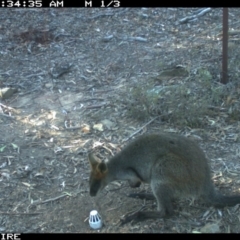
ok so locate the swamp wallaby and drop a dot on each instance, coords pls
(173, 165)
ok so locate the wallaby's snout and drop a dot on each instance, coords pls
(94, 187)
(93, 193)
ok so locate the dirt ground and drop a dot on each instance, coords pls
(75, 71)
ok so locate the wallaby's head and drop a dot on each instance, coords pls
(97, 179)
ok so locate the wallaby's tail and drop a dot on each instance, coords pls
(218, 200)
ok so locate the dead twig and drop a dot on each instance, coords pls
(106, 14)
(195, 16)
(96, 106)
(36, 74)
(140, 129)
(50, 199)
(54, 199)
(10, 108)
(217, 108)
(8, 116)
(109, 150)
(20, 213)
(71, 128)
(35, 89)
(111, 209)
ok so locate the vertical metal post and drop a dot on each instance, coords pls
(224, 79)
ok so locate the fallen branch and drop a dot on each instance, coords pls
(96, 106)
(50, 199)
(195, 16)
(106, 14)
(217, 108)
(7, 116)
(140, 129)
(7, 107)
(36, 74)
(53, 199)
(71, 128)
(20, 213)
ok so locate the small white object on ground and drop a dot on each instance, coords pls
(95, 220)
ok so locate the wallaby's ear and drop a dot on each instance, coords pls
(97, 164)
(93, 160)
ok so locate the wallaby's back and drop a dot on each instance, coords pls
(167, 158)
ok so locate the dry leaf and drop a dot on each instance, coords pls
(98, 127)
(85, 128)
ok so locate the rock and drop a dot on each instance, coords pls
(7, 92)
(210, 228)
(48, 85)
(109, 125)
(98, 127)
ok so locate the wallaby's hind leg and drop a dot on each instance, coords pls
(161, 193)
(164, 197)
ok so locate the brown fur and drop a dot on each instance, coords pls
(173, 165)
